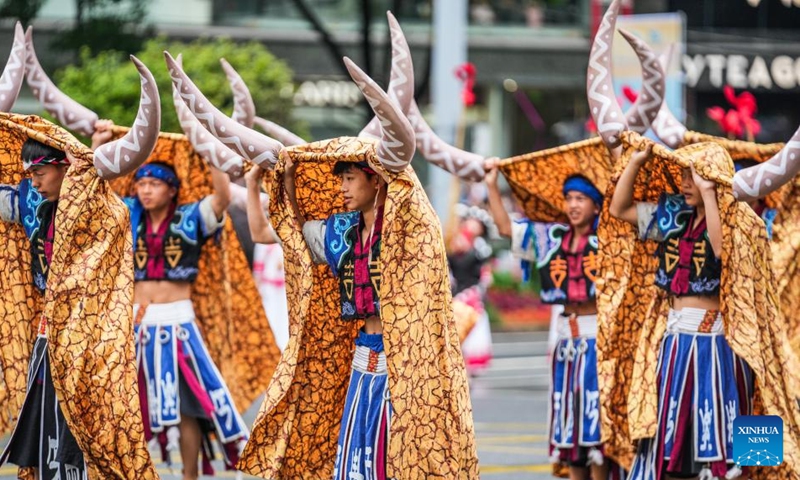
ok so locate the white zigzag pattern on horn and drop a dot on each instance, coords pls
(214, 153)
(207, 119)
(645, 112)
(389, 144)
(666, 126)
(43, 88)
(606, 127)
(279, 133)
(398, 78)
(126, 147)
(14, 70)
(437, 152)
(770, 175)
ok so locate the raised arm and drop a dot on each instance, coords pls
(221, 197)
(288, 184)
(708, 191)
(622, 205)
(496, 208)
(260, 229)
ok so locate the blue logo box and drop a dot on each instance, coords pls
(758, 440)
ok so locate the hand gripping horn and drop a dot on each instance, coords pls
(396, 147)
(244, 141)
(401, 81)
(14, 71)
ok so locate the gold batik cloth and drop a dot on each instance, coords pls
(785, 242)
(88, 306)
(632, 311)
(537, 179)
(465, 317)
(296, 431)
(227, 305)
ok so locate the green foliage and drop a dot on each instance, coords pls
(508, 281)
(22, 10)
(109, 84)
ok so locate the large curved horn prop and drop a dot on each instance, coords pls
(279, 133)
(666, 126)
(762, 179)
(244, 141)
(599, 88)
(123, 156)
(205, 144)
(14, 71)
(463, 164)
(396, 148)
(401, 82)
(244, 110)
(645, 109)
(69, 113)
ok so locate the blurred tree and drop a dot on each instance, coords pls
(22, 10)
(108, 84)
(106, 24)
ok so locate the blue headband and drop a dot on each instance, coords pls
(580, 184)
(159, 172)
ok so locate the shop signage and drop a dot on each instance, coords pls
(740, 71)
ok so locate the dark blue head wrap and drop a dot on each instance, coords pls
(579, 183)
(159, 171)
(744, 163)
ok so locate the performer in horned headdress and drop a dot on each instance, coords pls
(203, 342)
(391, 297)
(694, 296)
(561, 193)
(779, 210)
(67, 260)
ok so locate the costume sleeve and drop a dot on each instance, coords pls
(314, 233)
(211, 224)
(9, 203)
(646, 215)
(523, 241)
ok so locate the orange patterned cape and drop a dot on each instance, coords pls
(537, 179)
(632, 310)
(785, 242)
(226, 301)
(88, 306)
(432, 434)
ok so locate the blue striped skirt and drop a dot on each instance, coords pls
(364, 432)
(702, 387)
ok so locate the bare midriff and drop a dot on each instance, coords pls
(695, 301)
(373, 325)
(161, 291)
(585, 308)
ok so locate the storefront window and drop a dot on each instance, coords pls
(346, 14)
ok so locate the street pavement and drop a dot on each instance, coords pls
(510, 409)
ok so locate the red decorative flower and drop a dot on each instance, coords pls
(466, 73)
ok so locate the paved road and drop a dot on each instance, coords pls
(510, 405)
